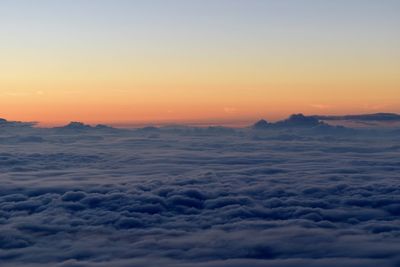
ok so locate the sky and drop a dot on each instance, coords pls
(120, 61)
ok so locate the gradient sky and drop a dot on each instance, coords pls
(203, 60)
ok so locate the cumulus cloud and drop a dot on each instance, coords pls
(294, 121)
(199, 197)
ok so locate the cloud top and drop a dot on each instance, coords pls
(182, 196)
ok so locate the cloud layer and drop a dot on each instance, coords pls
(199, 198)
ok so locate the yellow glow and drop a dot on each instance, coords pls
(91, 86)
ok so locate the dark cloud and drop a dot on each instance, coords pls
(81, 128)
(301, 125)
(261, 125)
(199, 198)
(295, 120)
(15, 124)
(299, 120)
(363, 117)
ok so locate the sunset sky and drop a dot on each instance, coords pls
(120, 61)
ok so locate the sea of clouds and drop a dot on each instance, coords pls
(210, 197)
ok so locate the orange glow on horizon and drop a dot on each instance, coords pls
(96, 70)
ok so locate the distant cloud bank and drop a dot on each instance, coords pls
(364, 117)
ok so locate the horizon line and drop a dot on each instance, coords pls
(232, 123)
